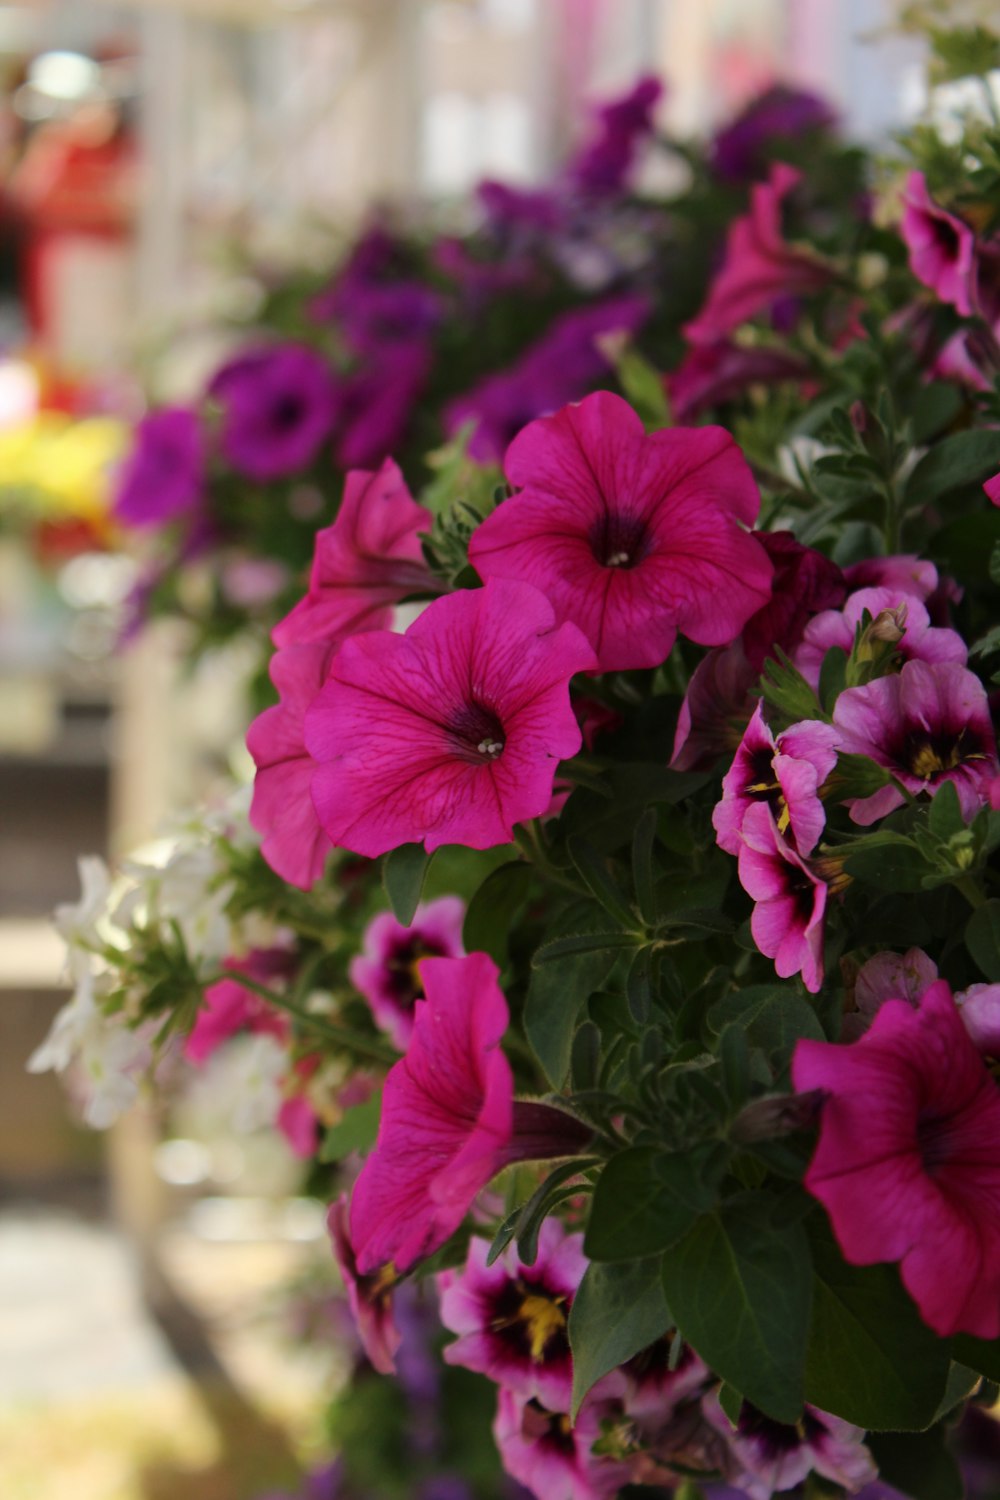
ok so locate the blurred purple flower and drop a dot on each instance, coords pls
(279, 404)
(743, 148)
(603, 166)
(162, 476)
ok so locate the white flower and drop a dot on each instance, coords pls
(107, 1056)
(77, 922)
(68, 1028)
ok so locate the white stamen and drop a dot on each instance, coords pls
(616, 560)
(492, 748)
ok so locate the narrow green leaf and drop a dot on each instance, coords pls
(944, 816)
(403, 872)
(642, 865)
(594, 872)
(618, 1310)
(583, 942)
(557, 993)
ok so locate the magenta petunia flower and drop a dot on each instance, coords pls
(278, 404)
(770, 1456)
(230, 1007)
(512, 1318)
(282, 810)
(552, 1456)
(740, 151)
(787, 921)
(928, 724)
(785, 773)
(632, 537)
(760, 267)
(804, 582)
(299, 1124)
(449, 1121)
(162, 476)
(716, 709)
(386, 971)
(906, 1165)
(376, 403)
(992, 489)
(604, 164)
(920, 641)
(452, 732)
(712, 374)
(363, 564)
(942, 248)
(368, 1297)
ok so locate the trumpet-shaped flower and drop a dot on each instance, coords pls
(942, 248)
(364, 563)
(632, 537)
(282, 810)
(163, 474)
(906, 1165)
(785, 773)
(787, 921)
(452, 732)
(760, 265)
(386, 971)
(928, 724)
(368, 1297)
(278, 407)
(512, 1319)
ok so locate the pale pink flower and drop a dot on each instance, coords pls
(920, 641)
(552, 1456)
(386, 971)
(942, 248)
(772, 1457)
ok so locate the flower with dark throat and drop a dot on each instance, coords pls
(278, 406)
(771, 1456)
(386, 971)
(785, 772)
(633, 537)
(942, 248)
(787, 921)
(512, 1319)
(928, 724)
(906, 1165)
(451, 733)
(368, 1297)
(552, 1455)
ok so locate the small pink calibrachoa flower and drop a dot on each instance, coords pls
(451, 733)
(902, 571)
(447, 1118)
(942, 248)
(928, 724)
(282, 810)
(512, 1319)
(979, 1008)
(787, 921)
(920, 640)
(631, 536)
(386, 970)
(369, 1297)
(230, 1007)
(553, 1456)
(760, 265)
(367, 561)
(772, 1457)
(656, 1384)
(906, 1165)
(785, 773)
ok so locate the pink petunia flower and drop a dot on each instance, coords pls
(449, 1122)
(992, 489)
(893, 976)
(760, 265)
(787, 921)
(906, 1165)
(552, 1456)
(920, 641)
(363, 564)
(903, 571)
(942, 248)
(804, 581)
(512, 1318)
(386, 971)
(230, 1007)
(282, 810)
(770, 1456)
(452, 732)
(368, 1297)
(785, 773)
(979, 1008)
(654, 1385)
(632, 537)
(928, 724)
(716, 709)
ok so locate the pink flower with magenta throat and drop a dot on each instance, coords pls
(787, 921)
(553, 1456)
(928, 724)
(631, 536)
(451, 733)
(294, 843)
(942, 248)
(512, 1319)
(369, 1297)
(770, 1456)
(906, 1165)
(367, 561)
(387, 970)
(449, 1120)
(785, 772)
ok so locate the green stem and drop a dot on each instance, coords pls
(970, 890)
(352, 1041)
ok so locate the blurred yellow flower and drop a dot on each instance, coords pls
(58, 465)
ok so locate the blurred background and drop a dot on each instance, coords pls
(157, 1286)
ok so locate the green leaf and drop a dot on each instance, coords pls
(774, 1018)
(647, 1199)
(982, 938)
(740, 1289)
(642, 386)
(982, 1355)
(965, 458)
(832, 677)
(583, 942)
(493, 908)
(557, 993)
(403, 872)
(731, 1401)
(870, 1358)
(959, 1387)
(944, 816)
(889, 861)
(618, 1311)
(594, 872)
(784, 687)
(857, 776)
(642, 865)
(918, 1464)
(355, 1132)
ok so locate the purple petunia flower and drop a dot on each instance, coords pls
(162, 476)
(742, 148)
(278, 404)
